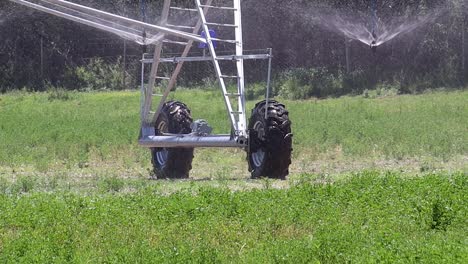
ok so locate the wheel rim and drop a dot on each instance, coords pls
(259, 156)
(163, 153)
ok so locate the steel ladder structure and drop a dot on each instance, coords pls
(235, 101)
(267, 138)
(161, 35)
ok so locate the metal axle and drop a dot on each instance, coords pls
(189, 141)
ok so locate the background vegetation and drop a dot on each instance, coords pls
(310, 61)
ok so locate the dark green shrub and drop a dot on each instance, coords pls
(303, 83)
(24, 184)
(58, 94)
(417, 86)
(356, 82)
(256, 91)
(99, 75)
(111, 184)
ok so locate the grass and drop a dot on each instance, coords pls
(366, 218)
(43, 132)
(396, 127)
(79, 130)
(373, 180)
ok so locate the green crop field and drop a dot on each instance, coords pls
(373, 180)
(369, 218)
(73, 130)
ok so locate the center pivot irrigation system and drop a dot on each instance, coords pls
(169, 130)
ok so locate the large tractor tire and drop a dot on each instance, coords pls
(173, 163)
(270, 144)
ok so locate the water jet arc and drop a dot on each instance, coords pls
(111, 18)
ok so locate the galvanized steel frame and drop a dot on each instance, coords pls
(239, 135)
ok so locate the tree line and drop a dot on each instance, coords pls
(38, 50)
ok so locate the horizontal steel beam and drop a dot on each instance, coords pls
(193, 59)
(190, 141)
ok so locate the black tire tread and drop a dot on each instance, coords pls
(278, 140)
(179, 161)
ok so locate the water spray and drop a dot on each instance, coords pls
(373, 44)
(143, 19)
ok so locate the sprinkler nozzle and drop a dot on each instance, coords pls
(373, 46)
(144, 47)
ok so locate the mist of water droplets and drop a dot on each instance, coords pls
(358, 25)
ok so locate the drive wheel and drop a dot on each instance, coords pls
(173, 163)
(270, 144)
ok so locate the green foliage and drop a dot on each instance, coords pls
(98, 75)
(356, 82)
(257, 91)
(303, 83)
(111, 184)
(382, 90)
(24, 184)
(442, 215)
(40, 131)
(60, 94)
(397, 127)
(366, 218)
